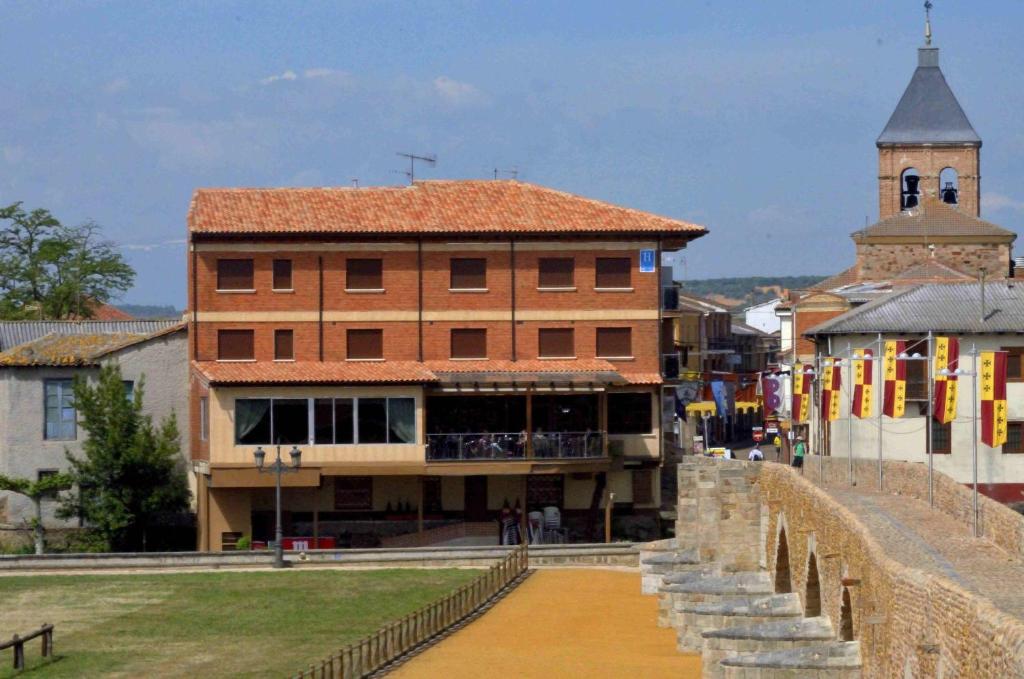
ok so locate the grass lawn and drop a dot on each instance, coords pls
(213, 624)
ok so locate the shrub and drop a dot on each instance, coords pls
(244, 543)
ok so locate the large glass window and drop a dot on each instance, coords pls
(401, 420)
(629, 413)
(373, 420)
(343, 420)
(290, 420)
(60, 411)
(252, 421)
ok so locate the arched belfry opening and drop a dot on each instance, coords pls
(846, 617)
(783, 581)
(949, 186)
(812, 599)
(910, 192)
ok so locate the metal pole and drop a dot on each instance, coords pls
(930, 376)
(849, 430)
(820, 420)
(881, 403)
(278, 547)
(974, 437)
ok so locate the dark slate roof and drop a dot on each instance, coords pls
(13, 333)
(933, 218)
(928, 112)
(940, 307)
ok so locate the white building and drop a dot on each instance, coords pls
(762, 316)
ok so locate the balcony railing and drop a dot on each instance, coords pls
(560, 445)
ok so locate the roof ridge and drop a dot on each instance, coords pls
(858, 310)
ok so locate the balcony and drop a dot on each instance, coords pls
(494, 446)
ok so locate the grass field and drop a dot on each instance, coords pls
(221, 624)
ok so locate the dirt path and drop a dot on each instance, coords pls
(562, 623)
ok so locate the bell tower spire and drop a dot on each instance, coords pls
(927, 23)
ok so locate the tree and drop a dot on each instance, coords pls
(131, 471)
(52, 271)
(37, 491)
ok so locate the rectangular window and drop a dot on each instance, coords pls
(614, 342)
(45, 474)
(282, 274)
(364, 274)
(917, 371)
(283, 346)
(555, 343)
(556, 272)
(401, 420)
(468, 343)
(468, 274)
(204, 418)
(365, 344)
(234, 274)
(129, 390)
(373, 420)
(1014, 438)
(333, 421)
(344, 420)
(629, 413)
(290, 420)
(1014, 363)
(235, 345)
(353, 492)
(60, 411)
(612, 272)
(942, 438)
(252, 421)
(643, 487)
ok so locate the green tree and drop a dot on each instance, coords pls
(131, 471)
(48, 270)
(37, 491)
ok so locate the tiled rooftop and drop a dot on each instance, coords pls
(933, 218)
(67, 350)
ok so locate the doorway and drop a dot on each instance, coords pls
(476, 498)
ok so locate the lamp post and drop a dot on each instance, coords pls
(277, 468)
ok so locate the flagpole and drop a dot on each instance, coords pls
(881, 402)
(849, 420)
(974, 438)
(929, 371)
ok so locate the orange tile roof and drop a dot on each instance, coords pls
(528, 366)
(642, 378)
(311, 372)
(464, 206)
(67, 350)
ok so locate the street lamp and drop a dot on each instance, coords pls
(277, 468)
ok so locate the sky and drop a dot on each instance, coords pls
(756, 119)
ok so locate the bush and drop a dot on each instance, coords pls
(244, 543)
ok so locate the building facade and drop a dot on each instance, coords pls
(437, 352)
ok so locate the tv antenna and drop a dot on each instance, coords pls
(411, 174)
(512, 173)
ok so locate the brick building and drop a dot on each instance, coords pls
(435, 351)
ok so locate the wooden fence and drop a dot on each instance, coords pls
(18, 644)
(366, 656)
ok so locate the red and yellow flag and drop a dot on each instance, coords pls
(863, 382)
(895, 394)
(831, 386)
(947, 356)
(801, 393)
(992, 372)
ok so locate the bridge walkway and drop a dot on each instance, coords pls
(562, 623)
(914, 534)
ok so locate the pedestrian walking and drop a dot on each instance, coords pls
(798, 453)
(755, 454)
(777, 442)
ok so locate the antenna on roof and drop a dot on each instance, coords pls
(927, 23)
(411, 174)
(513, 173)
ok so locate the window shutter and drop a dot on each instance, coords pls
(282, 274)
(468, 343)
(614, 342)
(235, 345)
(284, 348)
(555, 343)
(365, 343)
(468, 274)
(613, 272)
(234, 274)
(364, 274)
(555, 272)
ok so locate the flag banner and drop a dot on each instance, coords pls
(831, 386)
(863, 382)
(771, 386)
(801, 393)
(992, 373)
(718, 393)
(947, 357)
(895, 388)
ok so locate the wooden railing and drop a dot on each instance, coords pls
(370, 654)
(18, 644)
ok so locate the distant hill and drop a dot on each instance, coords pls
(150, 310)
(741, 292)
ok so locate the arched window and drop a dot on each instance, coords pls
(846, 617)
(949, 186)
(812, 601)
(783, 584)
(910, 195)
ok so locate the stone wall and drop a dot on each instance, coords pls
(884, 261)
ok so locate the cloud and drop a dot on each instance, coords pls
(116, 85)
(999, 201)
(149, 247)
(287, 75)
(456, 93)
(309, 74)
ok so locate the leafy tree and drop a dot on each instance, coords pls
(36, 491)
(131, 470)
(48, 270)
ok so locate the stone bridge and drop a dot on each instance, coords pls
(775, 573)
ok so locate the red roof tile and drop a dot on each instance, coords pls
(312, 372)
(471, 206)
(529, 366)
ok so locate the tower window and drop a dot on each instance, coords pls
(910, 196)
(949, 186)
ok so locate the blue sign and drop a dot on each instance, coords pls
(647, 262)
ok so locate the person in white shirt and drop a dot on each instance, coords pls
(755, 455)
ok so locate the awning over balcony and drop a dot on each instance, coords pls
(314, 372)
